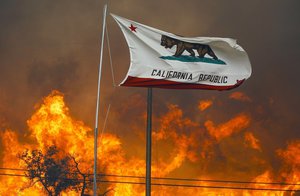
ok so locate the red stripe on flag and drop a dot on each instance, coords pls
(160, 83)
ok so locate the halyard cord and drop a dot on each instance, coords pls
(105, 121)
(110, 58)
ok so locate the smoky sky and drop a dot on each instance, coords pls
(47, 45)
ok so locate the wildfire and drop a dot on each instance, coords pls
(251, 141)
(240, 96)
(204, 104)
(234, 125)
(183, 148)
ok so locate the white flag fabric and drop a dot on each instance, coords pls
(164, 60)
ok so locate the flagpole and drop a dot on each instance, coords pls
(149, 142)
(98, 101)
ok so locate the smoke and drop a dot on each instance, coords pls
(42, 78)
(46, 46)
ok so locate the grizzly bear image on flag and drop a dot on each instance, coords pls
(164, 60)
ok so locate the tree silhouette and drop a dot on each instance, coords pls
(55, 171)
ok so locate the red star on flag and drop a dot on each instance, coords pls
(132, 28)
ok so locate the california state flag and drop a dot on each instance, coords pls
(164, 60)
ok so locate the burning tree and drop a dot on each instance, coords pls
(56, 172)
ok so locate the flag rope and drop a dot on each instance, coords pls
(110, 57)
(105, 121)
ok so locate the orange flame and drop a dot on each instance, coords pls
(234, 125)
(8, 185)
(204, 104)
(180, 142)
(240, 96)
(291, 161)
(251, 141)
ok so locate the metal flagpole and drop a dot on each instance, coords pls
(98, 100)
(149, 142)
